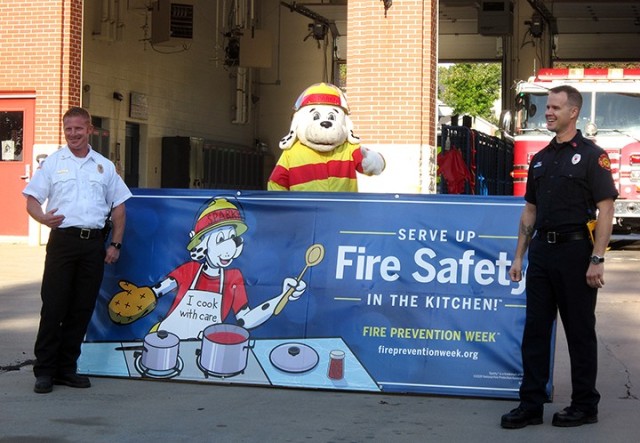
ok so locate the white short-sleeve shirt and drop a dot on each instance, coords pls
(82, 189)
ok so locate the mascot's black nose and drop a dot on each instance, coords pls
(326, 124)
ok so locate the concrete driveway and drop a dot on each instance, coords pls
(143, 411)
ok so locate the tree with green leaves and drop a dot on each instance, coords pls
(470, 88)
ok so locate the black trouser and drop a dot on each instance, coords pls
(72, 277)
(556, 281)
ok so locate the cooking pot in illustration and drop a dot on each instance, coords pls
(159, 357)
(224, 350)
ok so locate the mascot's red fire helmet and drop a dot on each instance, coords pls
(220, 212)
(322, 94)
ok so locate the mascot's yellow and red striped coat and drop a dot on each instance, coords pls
(304, 169)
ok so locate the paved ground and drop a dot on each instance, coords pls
(157, 411)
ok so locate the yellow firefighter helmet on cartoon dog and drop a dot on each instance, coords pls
(220, 212)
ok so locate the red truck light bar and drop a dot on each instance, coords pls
(549, 74)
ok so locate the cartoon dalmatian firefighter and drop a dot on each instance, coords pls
(207, 289)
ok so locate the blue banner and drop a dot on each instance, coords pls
(373, 292)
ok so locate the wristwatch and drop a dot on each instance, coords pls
(596, 259)
(119, 245)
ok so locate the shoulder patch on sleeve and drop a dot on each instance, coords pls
(604, 162)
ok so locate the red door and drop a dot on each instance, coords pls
(17, 120)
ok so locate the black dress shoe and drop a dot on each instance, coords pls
(570, 417)
(73, 380)
(521, 417)
(44, 384)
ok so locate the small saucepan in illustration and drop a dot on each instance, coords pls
(160, 355)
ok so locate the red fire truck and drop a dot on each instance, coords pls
(610, 116)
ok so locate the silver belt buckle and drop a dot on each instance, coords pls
(551, 237)
(85, 233)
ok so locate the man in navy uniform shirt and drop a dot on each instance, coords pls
(569, 183)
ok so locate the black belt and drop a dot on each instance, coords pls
(83, 233)
(560, 237)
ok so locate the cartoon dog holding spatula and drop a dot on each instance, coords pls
(207, 289)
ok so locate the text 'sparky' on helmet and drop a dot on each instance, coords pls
(219, 212)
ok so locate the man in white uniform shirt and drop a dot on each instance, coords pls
(80, 187)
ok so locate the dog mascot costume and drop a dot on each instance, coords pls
(321, 153)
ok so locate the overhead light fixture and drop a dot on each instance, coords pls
(387, 5)
(317, 30)
(536, 26)
(317, 18)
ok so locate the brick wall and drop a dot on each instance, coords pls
(45, 37)
(391, 78)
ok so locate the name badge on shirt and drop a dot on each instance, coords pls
(576, 159)
(100, 169)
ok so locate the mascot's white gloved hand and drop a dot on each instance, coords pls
(298, 287)
(372, 161)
